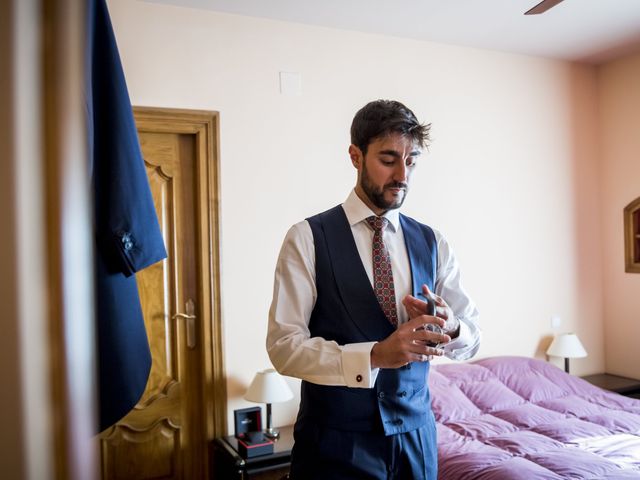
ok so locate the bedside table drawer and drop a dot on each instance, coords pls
(622, 385)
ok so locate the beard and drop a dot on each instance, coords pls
(376, 194)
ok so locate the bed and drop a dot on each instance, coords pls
(510, 418)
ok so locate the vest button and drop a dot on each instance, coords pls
(358, 378)
(380, 394)
(402, 394)
(398, 422)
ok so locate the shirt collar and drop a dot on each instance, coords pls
(356, 211)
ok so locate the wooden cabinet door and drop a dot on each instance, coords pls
(167, 434)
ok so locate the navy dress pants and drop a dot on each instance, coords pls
(325, 453)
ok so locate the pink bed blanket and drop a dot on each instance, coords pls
(510, 418)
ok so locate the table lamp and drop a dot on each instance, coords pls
(268, 387)
(566, 345)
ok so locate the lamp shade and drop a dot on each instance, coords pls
(268, 386)
(567, 345)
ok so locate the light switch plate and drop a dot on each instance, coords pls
(290, 84)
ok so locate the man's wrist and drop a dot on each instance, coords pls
(374, 363)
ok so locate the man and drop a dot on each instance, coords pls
(349, 315)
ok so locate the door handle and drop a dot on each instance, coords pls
(190, 322)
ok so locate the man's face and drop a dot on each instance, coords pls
(383, 174)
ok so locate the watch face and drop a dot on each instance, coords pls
(432, 327)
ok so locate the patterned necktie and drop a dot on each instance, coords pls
(382, 273)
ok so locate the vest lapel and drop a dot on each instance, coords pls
(351, 278)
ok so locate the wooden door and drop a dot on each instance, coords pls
(183, 408)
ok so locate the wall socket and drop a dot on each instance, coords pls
(556, 321)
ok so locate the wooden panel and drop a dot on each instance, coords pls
(155, 289)
(126, 452)
(160, 149)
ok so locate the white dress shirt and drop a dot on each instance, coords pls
(290, 346)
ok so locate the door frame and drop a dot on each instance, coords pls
(205, 126)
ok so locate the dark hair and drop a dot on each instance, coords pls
(381, 117)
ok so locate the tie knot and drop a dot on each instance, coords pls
(377, 223)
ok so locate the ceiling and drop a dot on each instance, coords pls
(590, 31)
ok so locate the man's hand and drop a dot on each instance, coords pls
(416, 307)
(409, 343)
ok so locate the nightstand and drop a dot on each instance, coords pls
(622, 385)
(228, 464)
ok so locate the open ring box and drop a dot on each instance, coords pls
(248, 430)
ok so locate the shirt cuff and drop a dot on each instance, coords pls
(461, 341)
(356, 365)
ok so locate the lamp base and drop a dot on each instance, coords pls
(270, 432)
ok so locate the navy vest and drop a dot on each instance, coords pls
(347, 311)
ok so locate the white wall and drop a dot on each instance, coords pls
(619, 89)
(511, 177)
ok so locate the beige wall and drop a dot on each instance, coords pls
(619, 94)
(511, 178)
